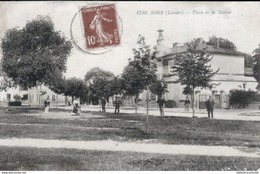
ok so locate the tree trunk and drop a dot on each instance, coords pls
(147, 109)
(192, 102)
(136, 103)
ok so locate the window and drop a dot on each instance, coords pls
(25, 97)
(8, 96)
(53, 98)
(165, 67)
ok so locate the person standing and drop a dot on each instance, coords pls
(47, 105)
(161, 103)
(117, 104)
(103, 104)
(187, 104)
(210, 106)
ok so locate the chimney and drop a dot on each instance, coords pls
(160, 37)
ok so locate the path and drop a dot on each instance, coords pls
(109, 145)
(232, 114)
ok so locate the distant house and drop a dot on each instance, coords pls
(8, 95)
(232, 73)
(31, 96)
(37, 95)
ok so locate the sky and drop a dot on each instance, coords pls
(181, 21)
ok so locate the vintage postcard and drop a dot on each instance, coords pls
(129, 86)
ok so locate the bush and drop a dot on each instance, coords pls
(14, 103)
(170, 104)
(241, 98)
(17, 97)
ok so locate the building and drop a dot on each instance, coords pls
(231, 75)
(32, 96)
(37, 95)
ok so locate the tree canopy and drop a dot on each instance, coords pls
(34, 54)
(100, 83)
(221, 43)
(97, 72)
(75, 87)
(159, 88)
(140, 72)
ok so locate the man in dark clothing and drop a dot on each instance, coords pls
(210, 106)
(103, 104)
(117, 104)
(161, 103)
(187, 103)
(47, 105)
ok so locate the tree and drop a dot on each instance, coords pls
(158, 88)
(99, 82)
(193, 69)
(100, 87)
(221, 43)
(75, 87)
(249, 61)
(140, 72)
(116, 86)
(34, 54)
(17, 97)
(256, 68)
(241, 98)
(97, 72)
(5, 83)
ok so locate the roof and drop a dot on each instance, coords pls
(209, 48)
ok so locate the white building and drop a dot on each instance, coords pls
(32, 96)
(231, 74)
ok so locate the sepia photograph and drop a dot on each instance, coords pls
(129, 86)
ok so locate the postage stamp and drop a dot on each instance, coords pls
(100, 26)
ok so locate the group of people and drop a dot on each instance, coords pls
(76, 110)
(117, 103)
(209, 105)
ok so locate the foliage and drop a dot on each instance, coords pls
(140, 72)
(17, 97)
(6, 83)
(34, 54)
(58, 85)
(101, 84)
(249, 61)
(256, 68)
(221, 43)
(116, 86)
(193, 69)
(170, 104)
(159, 88)
(100, 87)
(97, 72)
(187, 90)
(75, 87)
(241, 99)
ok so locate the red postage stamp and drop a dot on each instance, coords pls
(100, 26)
